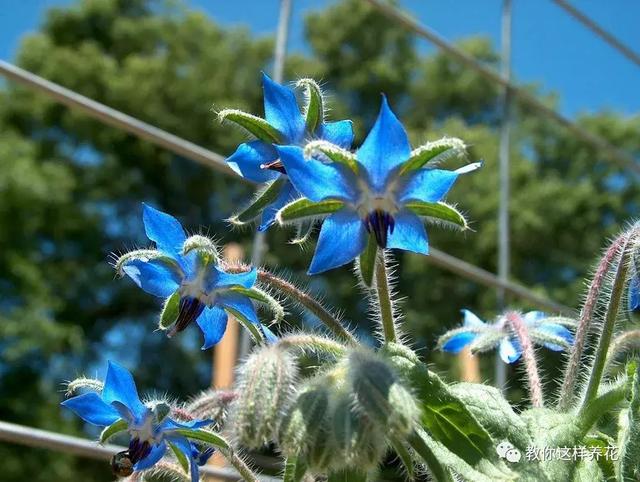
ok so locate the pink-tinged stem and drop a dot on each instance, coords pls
(584, 323)
(533, 377)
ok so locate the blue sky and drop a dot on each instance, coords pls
(549, 47)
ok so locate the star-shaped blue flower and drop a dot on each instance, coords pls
(498, 334)
(633, 295)
(149, 431)
(258, 160)
(206, 292)
(375, 193)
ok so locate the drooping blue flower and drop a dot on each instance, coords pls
(376, 194)
(149, 426)
(202, 291)
(483, 336)
(258, 160)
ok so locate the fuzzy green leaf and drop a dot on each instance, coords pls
(405, 457)
(170, 311)
(315, 105)
(113, 429)
(261, 201)
(182, 458)
(302, 209)
(367, 262)
(294, 470)
(209, 438)
(440, 211)
(449, 420)
(434, 153)
(255, 125)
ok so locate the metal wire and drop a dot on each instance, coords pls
(33, 437)
(599, 31)
(618, 156)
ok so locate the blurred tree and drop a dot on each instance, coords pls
(70, 189)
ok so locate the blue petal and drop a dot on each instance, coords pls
(213, 323)
(164, 230)
(154, 277)
(287, 194)
(427, 185)
(187, 448)
(119, 387)
(217, 278)
(315, 180)
(281, 110)
(532, 318)
(91, 408)
(634, 294)
(342, 238)
(457, 342)
(157, 452)
(508, 351)
(385, 148)
(339, 133)
(248, 158)
(556, 330)
(470, 319)
(408, 234)
(241, 304)
(268, 335)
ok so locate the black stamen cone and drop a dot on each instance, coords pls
(189, 310)
(381, 224)
(274, 166)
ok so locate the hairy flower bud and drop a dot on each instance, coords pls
(357, 441)
(265, 390)
(380, 393)
(304, 425)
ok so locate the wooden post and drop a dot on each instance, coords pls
(469, 366)
(226, 351)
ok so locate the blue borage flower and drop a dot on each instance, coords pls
(480, 336)
(378, 192)
(284, 124)
(184, 271)
(152, 431)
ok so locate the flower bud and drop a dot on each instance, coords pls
(380, 393)
(304, 426)
(266, 386)
(354, 436)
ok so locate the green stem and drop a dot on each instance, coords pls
(240, 465)
(617, 292)
(384, 298)
(597, 407)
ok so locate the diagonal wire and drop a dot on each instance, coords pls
(609, 38)
(620, 157)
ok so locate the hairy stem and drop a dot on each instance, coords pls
(611, 316)
(309, 302)
(533, 377)
(384, 298)
(240, 465)
(584, 323)
(305, 299)
(313, 343)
